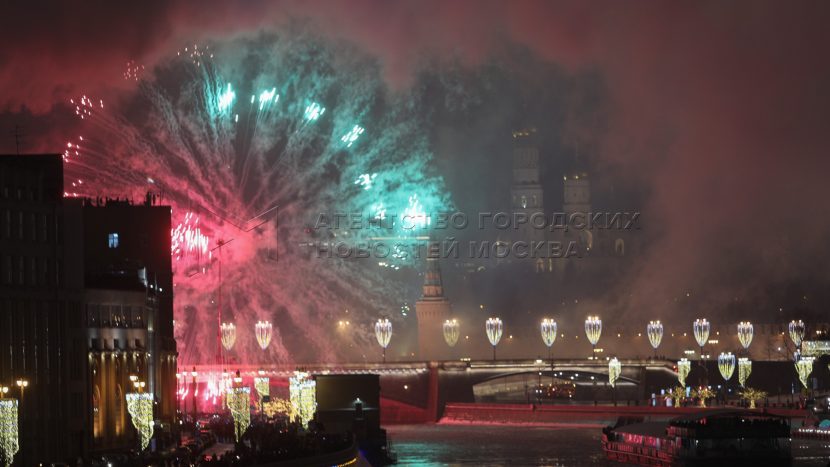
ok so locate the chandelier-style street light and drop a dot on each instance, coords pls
(744, 370)
(263, 331)
(383, 333)
(684, 366)
(797, 330)
(726, 365)
(701, 328)
(804, 366)
(614, 370)
(548, 328)
(654, 330)
(228, 335)
(494, 328)
(745, 333)
(593, 330)
(451, 332)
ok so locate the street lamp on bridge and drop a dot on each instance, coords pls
(548, 328)
(655, 334)
(494, 328)
(593, 330)
(701, 330)
(383, 333)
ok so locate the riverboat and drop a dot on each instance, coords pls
(710, 437)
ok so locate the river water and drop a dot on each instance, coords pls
(507, 445)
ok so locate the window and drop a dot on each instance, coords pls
(113, 240)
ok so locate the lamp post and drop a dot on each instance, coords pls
(654, 330)
(494, 328)
(383, 333)
(745, 333)
(701, 330)
(228, 332)
(614, 370)
(178, 394)
(797, 330)
(451, 332)
(22, 383)
(548, 328)
(593, 330)
(193, 375)
(263, 331)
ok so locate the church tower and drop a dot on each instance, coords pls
(432, 310)
(526, 192)
(577, 196)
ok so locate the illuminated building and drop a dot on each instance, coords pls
(86, 300)
(128, 300)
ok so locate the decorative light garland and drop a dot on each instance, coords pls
(684, 366)
(804, 366)
(752, 395)
(303, 397)
(451, 332)
(614, 370)
(239, 403)
(744, 370)
(9, 436)
(278, 406)
(140, 408)
(262, 384)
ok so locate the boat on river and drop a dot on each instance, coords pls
(710, 437)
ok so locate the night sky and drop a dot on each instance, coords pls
(709, 117)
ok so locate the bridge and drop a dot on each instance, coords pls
(422, 389)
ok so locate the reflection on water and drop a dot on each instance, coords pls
(492, 445)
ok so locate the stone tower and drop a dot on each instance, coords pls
(577, 195)
(526, 192)
(432, 310)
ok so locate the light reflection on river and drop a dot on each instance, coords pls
(490, 445)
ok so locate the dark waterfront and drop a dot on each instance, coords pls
(490, 445)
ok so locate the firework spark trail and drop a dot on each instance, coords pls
(254, 124)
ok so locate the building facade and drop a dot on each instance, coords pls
(81, 311)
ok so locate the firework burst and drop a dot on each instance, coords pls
(250, 141)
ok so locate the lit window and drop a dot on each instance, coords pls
(113, 240)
